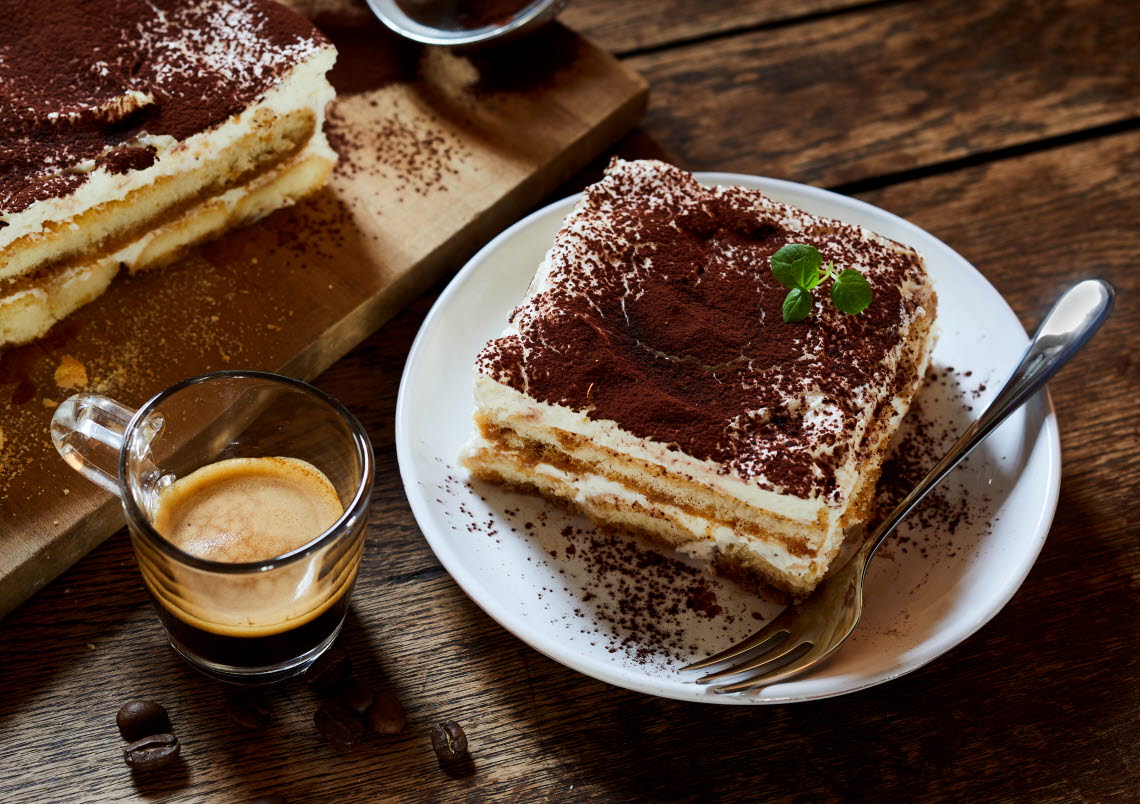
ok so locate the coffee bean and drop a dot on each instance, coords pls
(331, 668)
(339, 725)
(250, 710)
(449, 741)
(138, 719)
(357, 696)
(153, 752)
(387, 715)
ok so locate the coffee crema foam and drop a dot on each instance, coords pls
(247, 509)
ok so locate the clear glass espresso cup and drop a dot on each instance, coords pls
(253, 622)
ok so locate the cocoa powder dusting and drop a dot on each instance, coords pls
(923, 440)
(398, 146)
(384, 138)
(659, 312)
(126, 159)
(84, 77)
(615, 592)
(647, 594)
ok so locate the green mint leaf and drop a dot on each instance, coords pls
(849, 292)
(797, 305)
(796, 265)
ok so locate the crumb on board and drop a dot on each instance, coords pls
(70, 373)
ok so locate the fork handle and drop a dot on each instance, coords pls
(1076, 316)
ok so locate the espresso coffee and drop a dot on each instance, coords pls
(245, 510)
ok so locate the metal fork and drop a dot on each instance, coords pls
(802, 636)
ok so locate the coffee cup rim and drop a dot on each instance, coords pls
(353, 512)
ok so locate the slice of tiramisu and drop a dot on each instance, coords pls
(649, 378)
(134, 129)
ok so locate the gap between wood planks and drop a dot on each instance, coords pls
(881, 181)
(985, 157)
(767, 25)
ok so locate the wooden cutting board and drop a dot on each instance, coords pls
(439, 152)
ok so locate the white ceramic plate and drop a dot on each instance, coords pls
(929, 592)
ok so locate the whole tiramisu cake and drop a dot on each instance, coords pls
(649, 378)
(134, 129)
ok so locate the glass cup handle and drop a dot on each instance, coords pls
(88, 431)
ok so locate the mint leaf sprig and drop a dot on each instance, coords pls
(799, 267)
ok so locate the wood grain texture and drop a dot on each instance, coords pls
(1039, 706)
(895, 87)
(622, 27)
(438, 153)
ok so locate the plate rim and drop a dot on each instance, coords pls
(1049, 433)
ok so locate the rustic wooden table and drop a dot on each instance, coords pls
(1010, 130)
